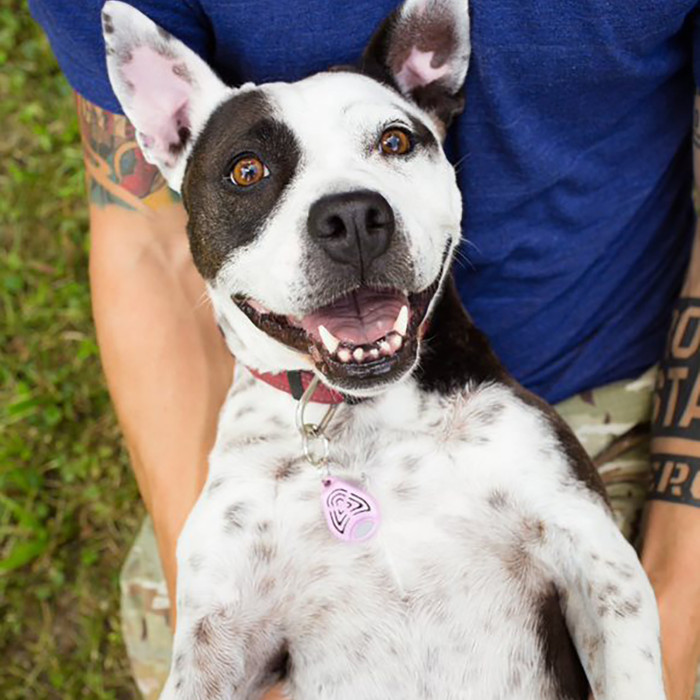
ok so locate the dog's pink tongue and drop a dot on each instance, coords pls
(362, 317)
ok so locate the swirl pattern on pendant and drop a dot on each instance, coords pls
(352, 514)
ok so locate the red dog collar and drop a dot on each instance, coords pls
(296, 383)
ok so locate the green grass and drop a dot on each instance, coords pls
(68, 504)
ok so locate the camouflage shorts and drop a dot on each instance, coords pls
(611, 423)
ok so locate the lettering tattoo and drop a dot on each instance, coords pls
(116, 171)
(676, 412)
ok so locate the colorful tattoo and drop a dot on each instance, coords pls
(117, 172)
(676, 418)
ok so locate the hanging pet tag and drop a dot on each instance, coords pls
(351, 513)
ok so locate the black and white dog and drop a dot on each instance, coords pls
(456, 541)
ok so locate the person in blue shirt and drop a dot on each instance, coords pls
(575, 157)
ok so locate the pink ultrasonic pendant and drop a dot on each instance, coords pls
(351, 513)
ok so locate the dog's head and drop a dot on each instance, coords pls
(323, 214)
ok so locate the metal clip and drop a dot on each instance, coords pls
(313, 436)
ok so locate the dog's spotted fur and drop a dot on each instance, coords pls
(492, 554)
(497, 571)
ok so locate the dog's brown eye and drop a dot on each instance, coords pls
(395, 142)
(248, 170)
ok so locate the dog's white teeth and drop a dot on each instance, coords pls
(395, 341)
(384, 347)
(329, 340)
(401, 323)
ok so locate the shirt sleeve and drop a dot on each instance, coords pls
(74, 30)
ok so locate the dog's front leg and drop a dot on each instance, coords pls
(608, 603)
(229, 642)
(227, 652)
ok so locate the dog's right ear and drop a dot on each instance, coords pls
(423, 50)
(166, 90)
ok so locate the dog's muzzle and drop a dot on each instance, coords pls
(366, 334)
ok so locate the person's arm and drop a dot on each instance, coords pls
(167, 367)
(671, 553)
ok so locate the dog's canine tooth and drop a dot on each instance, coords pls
(329, 340)
(344, 355)
(401, 323)
(395, 341)
(358, 354)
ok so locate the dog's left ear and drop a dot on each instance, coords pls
(423, 50)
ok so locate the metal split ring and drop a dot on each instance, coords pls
(316, 446)
(314, 435)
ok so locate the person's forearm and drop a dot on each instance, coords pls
(671, 553)
(165, 363)
(670, 557)
(672, 537)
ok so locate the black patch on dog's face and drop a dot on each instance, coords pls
(222, 215)
(560, 656)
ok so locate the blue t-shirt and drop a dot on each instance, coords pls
(574, 155)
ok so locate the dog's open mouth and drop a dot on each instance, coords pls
(367, 333)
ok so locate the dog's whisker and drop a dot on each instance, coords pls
(462, 255)
(469, 242)
(459, 163)
(462, 260)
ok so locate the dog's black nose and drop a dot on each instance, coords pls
(353, 228)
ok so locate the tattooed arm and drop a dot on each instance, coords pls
(672, 540)
(166, 366)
